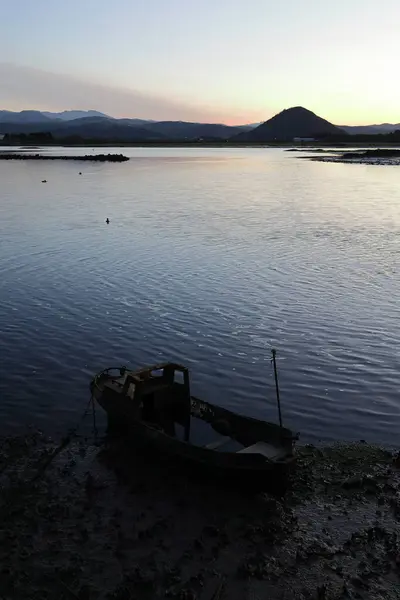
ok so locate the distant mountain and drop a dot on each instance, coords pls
(138, 121)
(181, 130)
(289, 124)
(131, 128)
(101, 127)
(25, 116)
(251, 125)
(370, 129)
(70, 115)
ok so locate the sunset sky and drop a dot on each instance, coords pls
(231, 61)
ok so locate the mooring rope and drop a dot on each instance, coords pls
(65, 441)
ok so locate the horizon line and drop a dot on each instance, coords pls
(152, 120)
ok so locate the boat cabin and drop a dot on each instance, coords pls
(160, 394)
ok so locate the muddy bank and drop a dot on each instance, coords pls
(99, 522)
(375, 153)
(376, 156)
(86, 157)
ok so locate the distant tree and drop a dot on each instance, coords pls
(41, 137)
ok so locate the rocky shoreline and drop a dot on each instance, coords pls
(375, 156)
(88, 521)
(86, 157)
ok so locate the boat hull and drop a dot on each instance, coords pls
(251, 470)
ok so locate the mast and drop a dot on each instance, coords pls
(278, 400)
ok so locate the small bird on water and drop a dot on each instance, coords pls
(44, 180)
(107, 220)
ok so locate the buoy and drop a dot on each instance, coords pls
(80, 173)
(107, 220)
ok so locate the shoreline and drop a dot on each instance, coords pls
(196, 144)
(86, 157)
(361, 156)
(101, 522)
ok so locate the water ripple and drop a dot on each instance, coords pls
(211, 258)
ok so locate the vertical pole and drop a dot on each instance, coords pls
(94, 419)
(277, 386)
(186, 382)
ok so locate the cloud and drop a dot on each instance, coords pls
(24, 87)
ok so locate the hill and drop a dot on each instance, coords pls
(107, 128)
(23, 117)
(70, 115)
(101, 128)
(289, 124)
(180, 130)
(370, 129)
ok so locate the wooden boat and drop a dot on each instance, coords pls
(155, 407)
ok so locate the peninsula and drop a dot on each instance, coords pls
(86, 157)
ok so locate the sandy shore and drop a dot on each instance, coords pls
(100, 522)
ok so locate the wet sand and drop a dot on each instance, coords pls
(101, 522)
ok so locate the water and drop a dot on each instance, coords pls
(212, 257)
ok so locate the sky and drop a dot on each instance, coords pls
(230, 61)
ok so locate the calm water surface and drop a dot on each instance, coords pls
(211, 258)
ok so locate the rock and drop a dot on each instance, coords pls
(198, 544)
(301, 555)
(358, 582)
(187, 594)
(345, 591)
(85, 593)
(352, 483)
(121, 593)
(211, 530)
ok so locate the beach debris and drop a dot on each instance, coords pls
(396, 460)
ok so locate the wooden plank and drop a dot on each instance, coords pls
(262, 448)
(218, 443)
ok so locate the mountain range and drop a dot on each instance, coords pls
(62, 125)
(370, 129)
(36, 116)
(287, 125)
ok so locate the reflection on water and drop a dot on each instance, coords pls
(211, 258)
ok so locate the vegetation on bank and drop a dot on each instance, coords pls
(340, 140)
